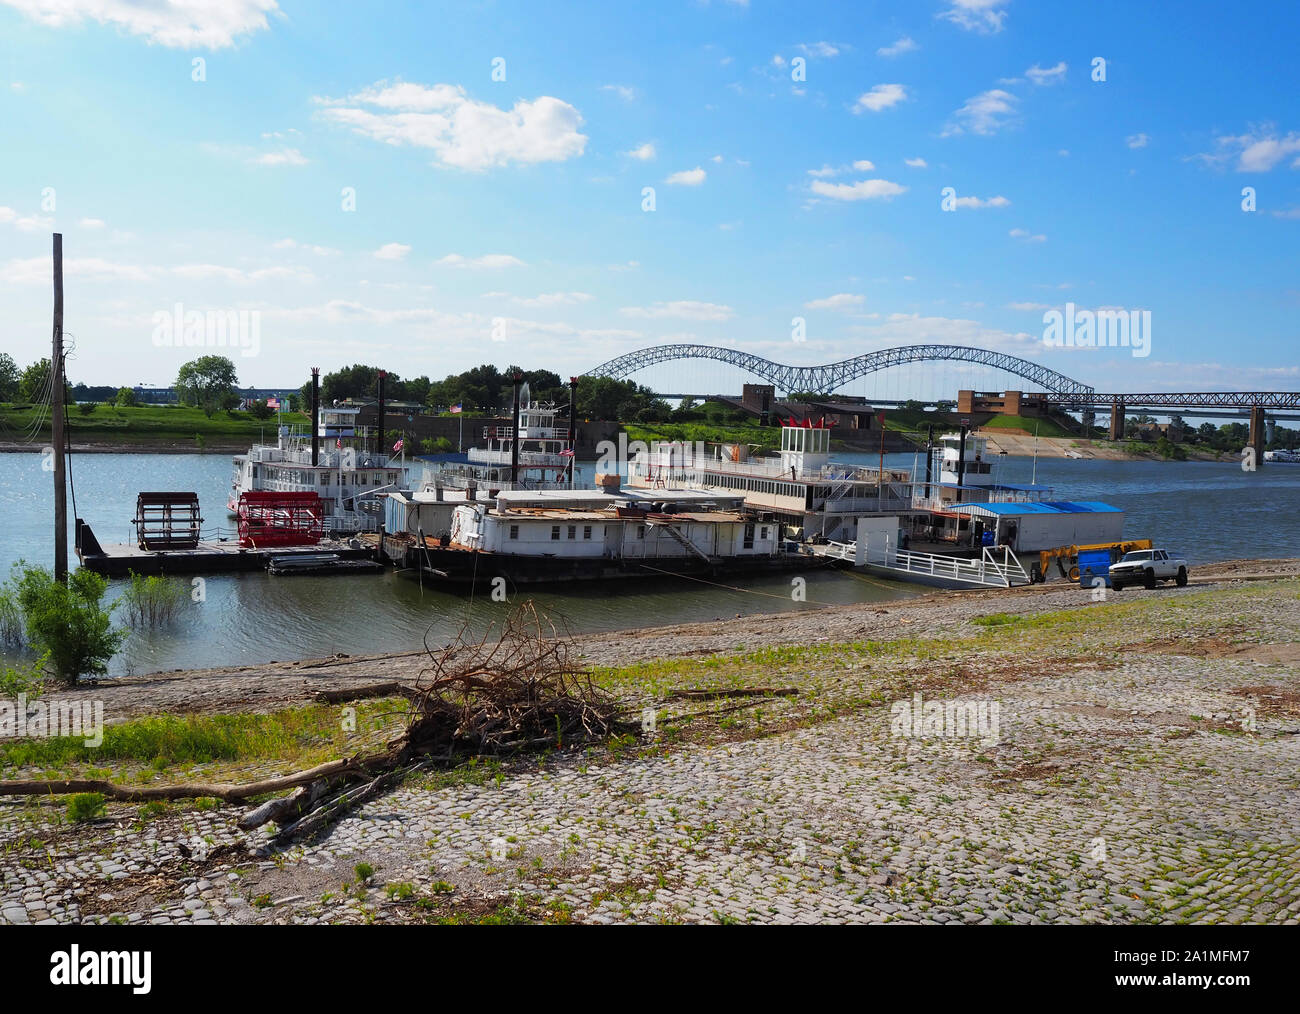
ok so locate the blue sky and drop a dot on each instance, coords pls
(502, 220)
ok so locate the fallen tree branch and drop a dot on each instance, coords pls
(145, 793)
(703, 695)
(394, 689)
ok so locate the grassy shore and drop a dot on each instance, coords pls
(170, 427)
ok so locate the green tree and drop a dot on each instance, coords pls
(260, 410)
(10, 377)
(208, 383)
(125, 397)
(68, 622)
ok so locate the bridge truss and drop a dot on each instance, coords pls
(825, 379)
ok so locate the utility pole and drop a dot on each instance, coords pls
(56, 425)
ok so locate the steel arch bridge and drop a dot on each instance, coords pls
(828, 378)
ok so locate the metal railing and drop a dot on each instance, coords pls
(986, 571)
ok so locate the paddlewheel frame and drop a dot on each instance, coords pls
(167, 520)
(268, 518)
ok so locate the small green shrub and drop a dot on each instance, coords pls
(21, 679)
(152, 602)
(68, 623)
(85, 806)
(364, 872)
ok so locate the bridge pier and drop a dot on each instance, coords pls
(1116, 419)
(1258, 439)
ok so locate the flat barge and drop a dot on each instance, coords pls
(208, 556)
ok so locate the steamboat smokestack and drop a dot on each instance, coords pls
(315, 416)
(516, 380)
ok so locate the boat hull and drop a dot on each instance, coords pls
(467, 567)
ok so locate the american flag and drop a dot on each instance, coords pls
(399, 445)
(273, 403)
(566, 453)
(455, 409)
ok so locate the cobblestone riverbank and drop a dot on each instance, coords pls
(1133, 760)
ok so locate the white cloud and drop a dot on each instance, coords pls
(487, 261)
(916, 163)
(984, 16)
(1137, 140)
(645, 153)
(624, 92)
(293, 244)
(98, 269)
(981, 202)
(862, 165)
(822, 49)
(986, 113)
(39, 270)
(180, 24)
(285, 156)
(463, 133)
(716, 159)
(882, 96)
(862, 190)
(202, 272)
(92, 223)
(392, 251)
(1027, 236)
(1257, 151)
(778, 60)
(545, 298)
(25, 223)
(1029, 307)
(688, 177)
(824, 172)
(18, 86)
(686, 309)
(1046, 75)
(904, 45)
(839, 301)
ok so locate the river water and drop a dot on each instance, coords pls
(1208, 511)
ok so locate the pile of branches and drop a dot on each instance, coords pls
(519, 689)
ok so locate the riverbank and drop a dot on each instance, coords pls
(1026, 446)
(1142, 769)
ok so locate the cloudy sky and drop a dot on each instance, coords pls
(427, 186)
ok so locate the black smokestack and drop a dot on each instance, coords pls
(315, 415)
(379, 443)
(517, 379)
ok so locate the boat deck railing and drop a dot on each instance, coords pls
(996, 567)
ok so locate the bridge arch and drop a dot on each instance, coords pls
(832, 376)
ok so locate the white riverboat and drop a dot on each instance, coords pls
(349, 478)
(540, 448)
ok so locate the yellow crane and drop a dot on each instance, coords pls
(1067, 557)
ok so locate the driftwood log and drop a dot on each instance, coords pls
(146, 793)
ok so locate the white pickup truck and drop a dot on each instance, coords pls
(1146, 567)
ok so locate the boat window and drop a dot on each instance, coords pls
(586, 531)
(555, 531)
(640, 531)
(573, 531)
(324, 478)
(749, 536)
(514, 531)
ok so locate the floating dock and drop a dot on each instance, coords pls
(218, 557)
